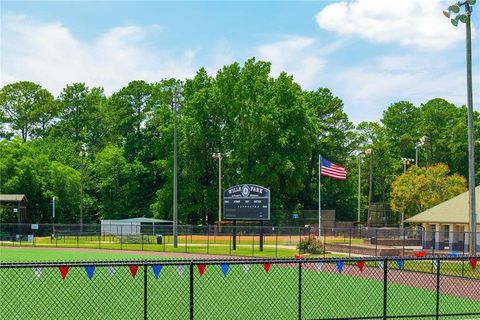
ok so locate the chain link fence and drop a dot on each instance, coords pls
(371, 288)
(245, 240)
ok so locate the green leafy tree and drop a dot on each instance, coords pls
(27, 108)
(422, 188)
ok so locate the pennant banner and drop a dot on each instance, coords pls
(90, 270)
(421, 254)
(180, 269)
(225, 267)
(360, 265)
(319, 266)
(156, 270)
(473, 263)
(435, 264)
(63, 271)
(381, 264)
(133, 270)
(246, 268)
(266, 266)
(111, 270)
(339, 266)
(201, 269)
(400, 264)
(38, 271)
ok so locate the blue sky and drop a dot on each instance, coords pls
(370, 53)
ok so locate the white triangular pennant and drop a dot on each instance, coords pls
(435, 264)
(319, 266)
(381, 264)
(38, 271)
(111, 271)
(246, 267)
(180, 270)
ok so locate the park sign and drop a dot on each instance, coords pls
(246, 202)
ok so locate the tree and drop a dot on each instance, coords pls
(27, 107)
(422, 188)
(79, 110)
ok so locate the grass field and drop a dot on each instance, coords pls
(281, 246)
(251, 295)
(44, 254)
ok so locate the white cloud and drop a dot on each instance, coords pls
(369, 89)
(49, 54)
(299, 56)
(417, 23)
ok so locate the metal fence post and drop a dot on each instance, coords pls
(276, 242)
(376, 242)
(385, 287)
(208, 237)
(299, 290)
(145, 297)
(324, 242)
(437, 310)
(350, 244)
(191, 290)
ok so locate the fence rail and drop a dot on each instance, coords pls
(268, 241)
(371, 288)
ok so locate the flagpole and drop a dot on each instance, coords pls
(319, 196)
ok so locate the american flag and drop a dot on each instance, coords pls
(332, 170)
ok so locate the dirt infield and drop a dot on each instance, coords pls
(455, 286)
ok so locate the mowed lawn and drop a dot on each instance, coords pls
(39, 254)
(245, 293)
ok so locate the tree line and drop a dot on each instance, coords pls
(119, 148)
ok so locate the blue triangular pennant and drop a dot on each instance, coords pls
(400, 264)
(339, 266)
(156, 270)
(225, 267)
(90, 270)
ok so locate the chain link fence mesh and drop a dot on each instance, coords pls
(361, 288)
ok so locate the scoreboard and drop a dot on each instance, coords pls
(246, 202)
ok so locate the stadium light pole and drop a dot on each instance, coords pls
(370, 186)
(83, 154)
(218, 155)
(465, 17)
(359, 202)
(406, 161)
(176, 97)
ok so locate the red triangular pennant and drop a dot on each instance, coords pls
(421, 253)
(360, 265)
(266, 266)
(473, 263)
(63, 271)
(201, 268)
(133, 270)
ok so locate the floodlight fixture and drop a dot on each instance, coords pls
(446, 13)
(454, 21)
(463, 17)
(455, 8)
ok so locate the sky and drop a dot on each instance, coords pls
(370, 53)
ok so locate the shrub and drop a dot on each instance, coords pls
(310, 245)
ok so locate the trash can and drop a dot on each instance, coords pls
(159, 238)
(373, 240)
